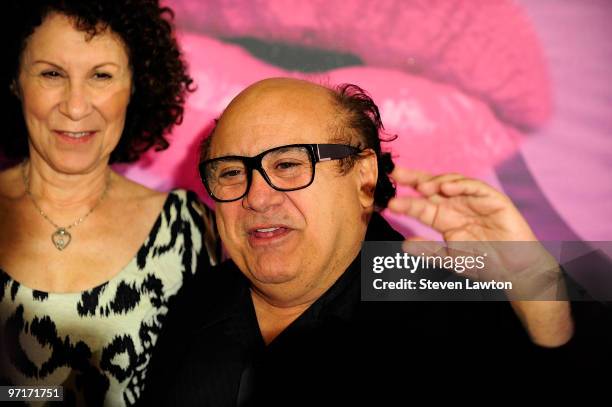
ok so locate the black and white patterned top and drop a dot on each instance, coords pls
(97, 343)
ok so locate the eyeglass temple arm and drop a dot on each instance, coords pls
(327, 152)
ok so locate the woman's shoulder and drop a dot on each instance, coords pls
(11, 183)
(177, 198)
(189, 206)
(191, 209)
(129, 190)
(178, 204)
(184, 210)
(188, 198)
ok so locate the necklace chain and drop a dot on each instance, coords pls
(61, 238)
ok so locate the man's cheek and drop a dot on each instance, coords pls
(227, 230)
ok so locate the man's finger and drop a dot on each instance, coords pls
(422, 209)
(410, 177)
(416, 245)
(432, 186)
(468, 187)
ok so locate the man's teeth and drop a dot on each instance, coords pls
(267, 230)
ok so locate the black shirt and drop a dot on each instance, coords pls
(339, 350)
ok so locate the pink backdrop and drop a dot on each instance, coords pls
(515, 93)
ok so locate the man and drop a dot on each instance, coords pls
(298, 177)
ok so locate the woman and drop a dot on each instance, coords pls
(88, 259)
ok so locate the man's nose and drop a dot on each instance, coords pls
(261, 196)
(77, 102)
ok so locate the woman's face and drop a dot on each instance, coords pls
(75, 90)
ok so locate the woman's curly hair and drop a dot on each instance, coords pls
(159, 73)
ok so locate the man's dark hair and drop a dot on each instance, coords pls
(159, 74)
(360, 125)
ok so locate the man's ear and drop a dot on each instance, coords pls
(367, 166)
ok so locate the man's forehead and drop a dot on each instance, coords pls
(282, 87)
(276, 112)
(277, 100)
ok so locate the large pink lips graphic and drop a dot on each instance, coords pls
(458, 83)
(486, 49)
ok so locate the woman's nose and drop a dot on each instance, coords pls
(76, 103)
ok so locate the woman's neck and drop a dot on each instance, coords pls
(59, 191)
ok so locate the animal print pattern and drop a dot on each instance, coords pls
(97, 343)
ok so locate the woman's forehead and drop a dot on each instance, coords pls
(58, 41)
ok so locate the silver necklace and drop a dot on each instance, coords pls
(61, 238)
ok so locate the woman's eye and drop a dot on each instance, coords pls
(51, 74)
(102, 75)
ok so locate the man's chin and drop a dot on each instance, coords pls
(272, 272)
(271, 277)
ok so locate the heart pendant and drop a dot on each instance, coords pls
(61, 238)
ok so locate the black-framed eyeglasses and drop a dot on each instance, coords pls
(285, 168)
